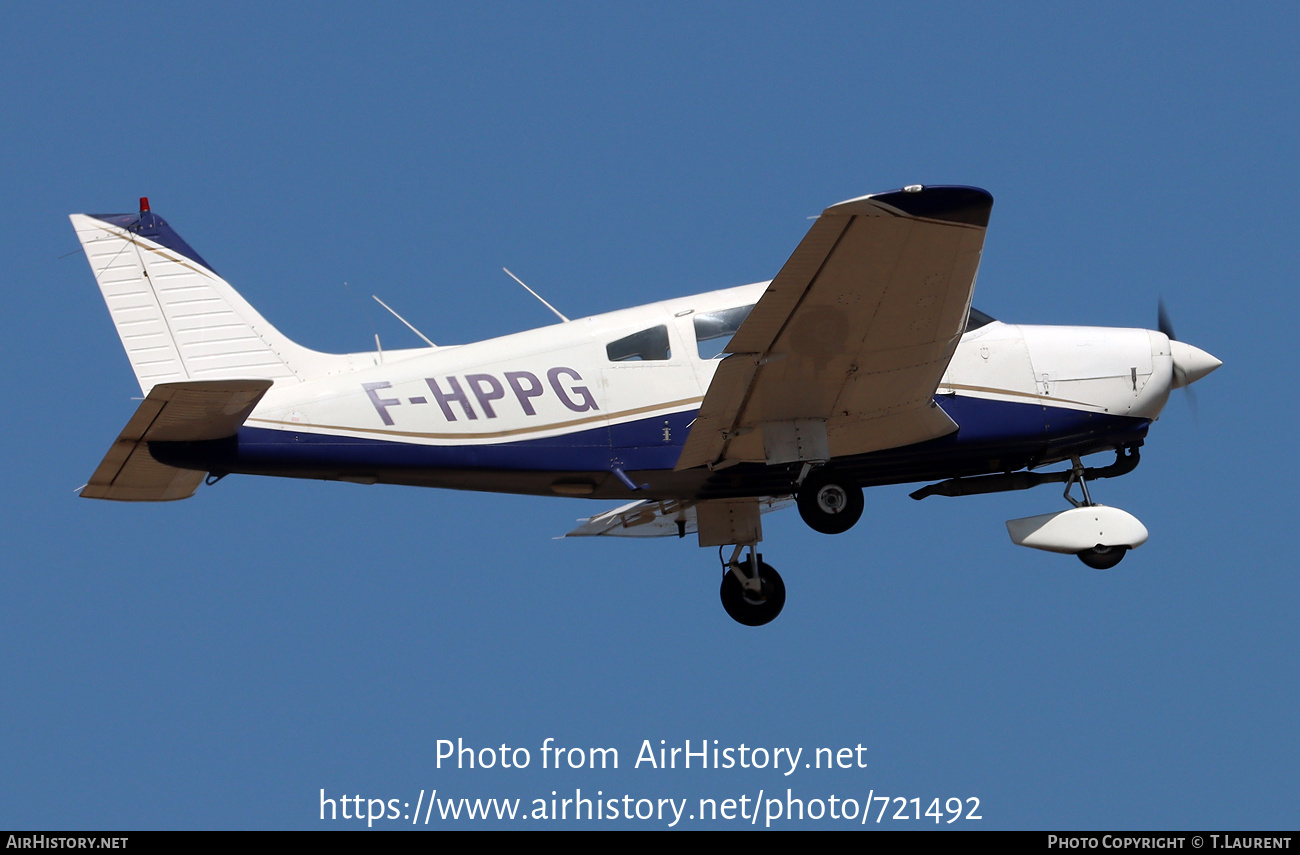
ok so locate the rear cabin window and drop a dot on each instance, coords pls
(713, 330)
(651, 344)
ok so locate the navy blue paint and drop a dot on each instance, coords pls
(981, 421)
(1004, 428)
(988, 430)
(641, 445)
(634, 446)
(1000, 436)
(955, 204)
(150, 225)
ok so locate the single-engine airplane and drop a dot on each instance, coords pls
(862, 363)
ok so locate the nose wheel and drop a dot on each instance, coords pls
(752, 592)
(1103, 557)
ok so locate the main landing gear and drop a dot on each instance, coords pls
(752, 592)
(829, 501)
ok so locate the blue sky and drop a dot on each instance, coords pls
(216, 663)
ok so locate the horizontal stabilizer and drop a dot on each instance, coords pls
(189, 411)
(648, 518)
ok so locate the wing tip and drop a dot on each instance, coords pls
(957, 203)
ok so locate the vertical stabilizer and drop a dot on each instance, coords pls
(178, 320)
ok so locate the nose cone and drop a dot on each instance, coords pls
(1190, 363)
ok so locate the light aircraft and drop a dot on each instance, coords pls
(862, 363)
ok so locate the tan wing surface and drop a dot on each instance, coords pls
(843, 352)
(188, 411)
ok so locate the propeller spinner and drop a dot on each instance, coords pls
(1190, 363)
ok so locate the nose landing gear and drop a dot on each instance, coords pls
(1103, 557)
(1099, 535)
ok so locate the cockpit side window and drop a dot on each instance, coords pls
(651, 344)
(978, 319)
(713, 330)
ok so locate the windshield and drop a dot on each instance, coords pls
(713, 330)
(978, 319)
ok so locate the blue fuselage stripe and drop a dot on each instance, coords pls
(987, 429)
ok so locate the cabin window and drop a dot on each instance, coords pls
(713, 330)
(978, 319)
(651, 344)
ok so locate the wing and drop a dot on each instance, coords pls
(651, 518)
(843, 352)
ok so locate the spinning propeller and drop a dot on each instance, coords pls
(1190, 363)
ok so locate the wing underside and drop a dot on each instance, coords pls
(654, 518)
(844, 351)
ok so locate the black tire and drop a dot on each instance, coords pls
(747, 608)
(830, 502)
(1103, 557)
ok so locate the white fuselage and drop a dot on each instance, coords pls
(561, 393)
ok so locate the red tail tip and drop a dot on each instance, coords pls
(144, 204)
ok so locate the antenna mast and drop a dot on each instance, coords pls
(538, 296)
(403, 320)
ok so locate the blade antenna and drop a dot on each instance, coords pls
(403, 320)
(538, 296)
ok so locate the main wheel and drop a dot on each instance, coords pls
(754, 608)
(1103, 557)
(829, 501)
